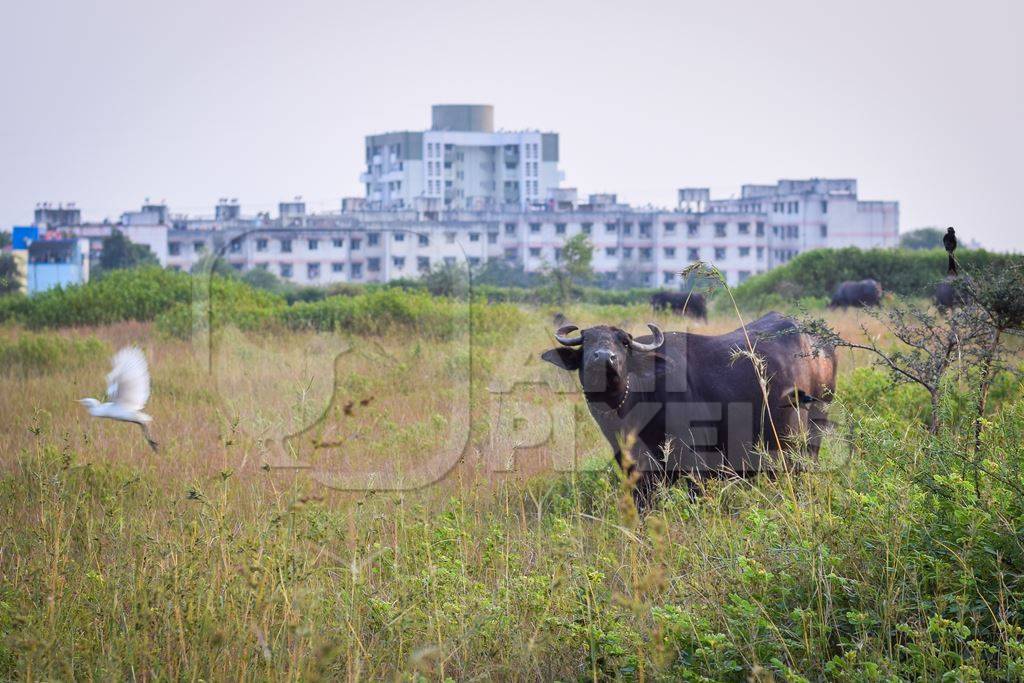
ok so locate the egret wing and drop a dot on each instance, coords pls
(128, 381)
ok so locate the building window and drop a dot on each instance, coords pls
(510, 228)
(286, 246)
(398, 261)
(313, 245)
(760, 228)
(492, 238)
(337, 267)
(693, 254)
(627, 252)
(357, 270)
(559, 228)
(372, 239)
(824, 206)
(824, 230)
(744, 251)
(474, 237)
(693, 229)
(356, 243)
(423, 263)
(670, 252)
(744, 275)
(558, 253)
(760, 253)
(719, 229)
(511, 254)
(587, 228)
(668, 276)
(174, 248)
(286, 270)
(609, 227)
(610, 251)
(199, 247)
(535, 252)
(719, 253)
(449, 238)
(312, 271)
(261, 245)
(474, 260)
(373, 265)
(399, 236)
(627, 228)
(337, 243)
(645, 229)
(534, 227)
(743, 228)
(645, 253)
(236, 246)
(424, 240)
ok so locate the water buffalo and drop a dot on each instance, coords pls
(949, 294)
(692, 304)
(859, 294)
(688, 406)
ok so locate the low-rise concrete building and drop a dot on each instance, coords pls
(767, 225)
(57, 263)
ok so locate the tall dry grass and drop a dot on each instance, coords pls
(224, 558)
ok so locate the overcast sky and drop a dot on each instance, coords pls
(107, 103)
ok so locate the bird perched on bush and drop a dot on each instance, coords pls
(127, 392)
(949, 242)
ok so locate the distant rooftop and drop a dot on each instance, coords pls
(474, 118)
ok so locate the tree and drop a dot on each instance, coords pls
(922, 238)
(10, 277)
(447, 279)
(5, 239)
(261, 278)
(212, 264)
(120, 252)
(573, 268)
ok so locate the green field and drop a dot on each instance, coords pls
(237, 552)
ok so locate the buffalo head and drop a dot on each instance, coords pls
(600, 354)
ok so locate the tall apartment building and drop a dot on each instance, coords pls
(460, 163)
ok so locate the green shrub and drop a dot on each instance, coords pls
(135, 294)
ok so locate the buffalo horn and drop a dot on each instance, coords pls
(561, 336)
(659, 339)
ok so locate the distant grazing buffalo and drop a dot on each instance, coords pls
(692, 304)
(858, 294)
(685, 405)
(948, 294)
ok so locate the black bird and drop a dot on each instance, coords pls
(949, 242)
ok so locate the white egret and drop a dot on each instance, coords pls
(127, 392)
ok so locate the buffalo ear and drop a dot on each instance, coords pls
(567, 359)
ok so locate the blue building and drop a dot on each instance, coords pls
(53, 263)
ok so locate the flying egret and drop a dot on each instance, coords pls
(127, 391)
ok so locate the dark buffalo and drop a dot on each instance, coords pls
(688, 406)
(949, 294)
(692, 304)
(858, 294)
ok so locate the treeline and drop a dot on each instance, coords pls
(815, 274)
